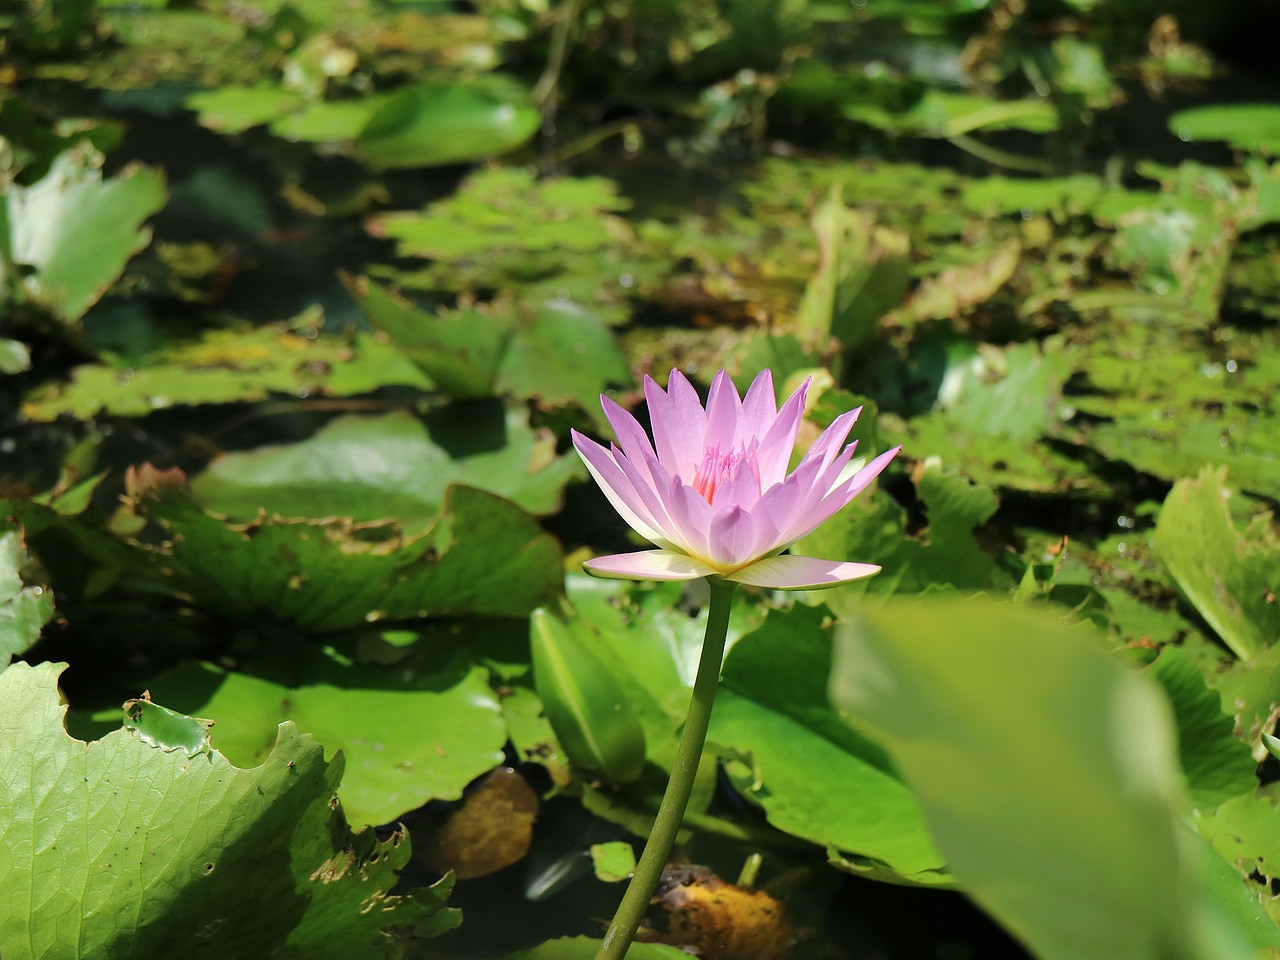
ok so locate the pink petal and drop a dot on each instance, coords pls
(616, 487)
(679, 425)
(786, 501)
(733, 538)
(801, 573)
(817, 514)
(759, 408)
(723, 408)
(780, 439)
(691, 518)
(648, 565)
(646, 491)
(631, 436)
(828, 444)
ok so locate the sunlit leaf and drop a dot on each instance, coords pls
(77, 230)
(204, 858)
(1048, 775)
(1230, 578)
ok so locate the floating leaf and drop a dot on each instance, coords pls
(76, 231)
(203, 858)
(24, 607)
(814, 777)
(1217, 765)
(861, 276)
(394, 465)
(1244, 126)
(1232, 579)
(226, 366)
(482, 555)
(235, 109)
(433, 124)
(421, 731)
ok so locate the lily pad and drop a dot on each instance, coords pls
(481, 556)
(394, 465)
(435, 124)
(76, 230)
(813, 776)
(419, 731)
(1232, 579)
(24, 607)
(213, 861)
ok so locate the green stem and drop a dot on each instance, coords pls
(662, 836)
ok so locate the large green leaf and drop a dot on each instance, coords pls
(814, 777)
(132, 847)
(76, 231)
(482, 556)
(419, 731)
(1232, 579)
(1048, 775)
(395, 465)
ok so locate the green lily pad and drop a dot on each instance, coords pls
(1232, 579)
(813, 776)
(1048, 775)
(557, 352)
(415, 732)
(435, 124)
(173, 849)
(1218, 766)
(24, 607)
(1253, 126)
(225, 366)
(76, 231)
(236, 109)
(394, 465)
(482, 556)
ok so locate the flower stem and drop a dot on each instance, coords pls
(662, 836)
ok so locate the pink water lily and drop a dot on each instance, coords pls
(712, 491)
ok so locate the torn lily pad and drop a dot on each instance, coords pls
(480, 555)
(227, 862)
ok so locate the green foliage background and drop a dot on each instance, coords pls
(298, 304)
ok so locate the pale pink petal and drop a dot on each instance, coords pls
(723, 408)
(828, 444)
(646, 492)
(759, 408)
(740, 490)
(780, 439)
(679, 425)
(801, 573)
(631, 436)
(690, 517)
(648, 565)
(733, 538)
(784, 502)
(813, 516)
(616, 487)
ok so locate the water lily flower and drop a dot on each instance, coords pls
(712, 491)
